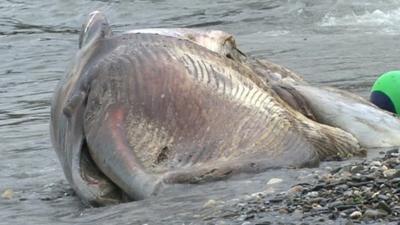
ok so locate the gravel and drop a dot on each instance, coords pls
(366, 192)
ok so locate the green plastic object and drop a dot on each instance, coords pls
(389, 83)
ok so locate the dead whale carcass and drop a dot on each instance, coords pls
(139, 111)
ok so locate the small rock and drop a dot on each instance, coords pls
(316, 206)
(396, 180)
(356, 215)
(392, 162)
(341, 187)
(383, 197)
(375, 213)
(246, 223)
(274, 181)
(312, 194)
(376, 163)
(264, 223)
(335, 204)
(242, 218)
(356, 177)
(276, 199)
(345, 174)
(356, 169)
(298, 212)
(375, 194)
(283, 211)
(344, 207)
(390, 173)
(393, 151)
(295, 190)
(328, 168)
(385, 207)
(258, 195)
(8, 194)
(210, 204)
(221, 222)
(348, 193)
(373, 168)
(366, 189)
(269, 190)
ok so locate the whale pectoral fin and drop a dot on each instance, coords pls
(109, 148)
(294, 99)
(73, 103)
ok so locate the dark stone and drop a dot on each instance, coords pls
(383, 197)
(318, 187)
(333, 216)
(356, 178)
(375, 213)
(276, 199)
(336, 170)
(264, 223)
(358, 184)
(397, 174)
(382, 205)
(393, 151)
(344, 207)
(342, 187)
(334, 204)
(356, 169)
(380, 181)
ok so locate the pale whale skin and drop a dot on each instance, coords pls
(373, 127)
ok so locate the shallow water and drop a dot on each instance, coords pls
(346, 44)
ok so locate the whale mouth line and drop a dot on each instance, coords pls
(94, 177)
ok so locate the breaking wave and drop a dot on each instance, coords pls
(374, 18)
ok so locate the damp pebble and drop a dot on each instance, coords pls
(312, 194)
(295, 190)
(8, 194)
(374, 213)
(274, 181)
(210, 204)
(376, 163)
(391, 173)
(356, 215)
